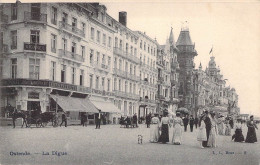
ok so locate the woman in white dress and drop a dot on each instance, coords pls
(202, 135)
(154, 129)
(177, 130)
(212, 142)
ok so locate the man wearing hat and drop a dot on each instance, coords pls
(208, 127)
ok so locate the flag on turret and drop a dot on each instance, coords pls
(211, 50)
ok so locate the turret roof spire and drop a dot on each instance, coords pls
(171, 39)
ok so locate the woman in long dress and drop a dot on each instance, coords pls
(202, 135)
(227, 128)
(221, 126)
(154, 129)
(177, 130)
(212, 142)
(238, 136)
(251, 134)
(165, 123)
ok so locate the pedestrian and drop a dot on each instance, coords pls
(231, 123)
(98, 119)
(202, 134)
(208, 127)
(135, 120)
(154, 130)
(196, 120)
(185, 122)
(251, 134)
(164, 126)
(238, 136)
(83, 119)
(221, 126)
(177, 129)
(227, 127)
(64, 119)
(148, 120)
(212, 140)
(191, 123)
(128, 122)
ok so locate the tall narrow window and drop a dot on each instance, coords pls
(34, 68)
(74, 23)
(92, 33)
(108, 61)
(81, 77)
(91, 56)
(53, 71)
(53, 43)
(131, 50)
(98, 57)
(141, 44)
(83, 25)
(14, 11)
(83, 51)
(63, 73)
(97, 82)
(109, 42)
(126, 66)
(130, 88)
(73, 75)
(14, 39)
(121, 45)
(120, 64)
(73, 48)
(91, 81)
(98, 36)
(103, 83)
(108, 84)
(119, 85)
(116, 42)
(35, 36)
(104, 59)
(64, 17)
(54, 15)
(126, 86)
(36, 11)
(64, 44)
(126, 47)
(104, 39)
(115, 84)
(1, 68)
(14, 68)
(115, 62)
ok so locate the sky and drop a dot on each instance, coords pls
(232, 28)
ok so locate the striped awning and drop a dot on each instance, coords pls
(75, 104)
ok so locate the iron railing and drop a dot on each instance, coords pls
(70, 55)
(39, 17)
(70, 28)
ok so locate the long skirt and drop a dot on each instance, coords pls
(202, 135)
(238, 136)
(251, 135)
(165, 134)
(154, 133)
(228, 130)
(220, 129)
(212, 142)
(177, 134)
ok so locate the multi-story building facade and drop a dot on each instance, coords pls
(168, 67)
(126, 64)
(148, 73)
(185, 58)
(56, 49)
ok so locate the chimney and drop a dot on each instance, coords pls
(123, 17)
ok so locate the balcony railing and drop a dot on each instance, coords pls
(147, 100)
(4, 18)
(148, 67)
(70, 55)
(45, 83)
(160, 97)
(126, 55)
(144, 82)
(70, 28)
(35, 17)
(126, 74)
(35, 47)
(126, 95)
(4, 48)
(98, 65)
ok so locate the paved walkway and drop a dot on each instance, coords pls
(114, 145)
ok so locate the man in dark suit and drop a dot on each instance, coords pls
(98, 120)
(185, 122)
(191, 123)
(64, 119)
(208, 128)
(148, 120)
(135, 120)
(196, 121)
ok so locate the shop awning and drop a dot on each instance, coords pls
(75, 104)
(106, 106)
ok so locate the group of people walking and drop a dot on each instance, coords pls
(208, 129)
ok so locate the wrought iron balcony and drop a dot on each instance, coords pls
(160, 97)
(100, 66)
(34, 47)
(35, 17)
(126, 55)
(4, 18)
(119, 73)
(70, 55)
(71, 29)
(126, 95)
